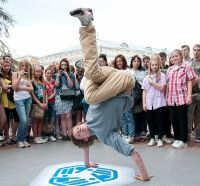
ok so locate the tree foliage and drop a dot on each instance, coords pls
(6, 21)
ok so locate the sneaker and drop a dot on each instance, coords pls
(175, 143)
(197, 140)
(26, 144)
(85, 15)
(42, 140)
(1, 136)
(151, 142)
(58, 137)
(159, 143)
(37, 140)
(166, 140)
(52, 138)
(20, 144)
(46, 138)
(181, 144)
(79, 63)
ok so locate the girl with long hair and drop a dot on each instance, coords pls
(154, 100)
(22, 87)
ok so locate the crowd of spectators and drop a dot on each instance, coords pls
(38, 105)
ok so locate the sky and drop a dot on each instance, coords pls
(45, 27)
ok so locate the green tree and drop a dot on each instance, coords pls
(6, 20)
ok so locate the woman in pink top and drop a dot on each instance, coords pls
(179, 90)
(154, 100)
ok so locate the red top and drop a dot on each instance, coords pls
(50, 86)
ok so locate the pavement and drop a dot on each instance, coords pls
(169, 166)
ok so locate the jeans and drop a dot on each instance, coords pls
(49, 115)
(23, 108)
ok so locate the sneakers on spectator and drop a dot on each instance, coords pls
(20, 144)
(85, 15)
(58, 137)
(37, 140)
(1, 136)
(181, 144)
(166, 140)
(175, 143)
(26, 144)
(151, 142)
(52, 138)
(197, 140)
(79, 63)
(45, 138)
(159, 143)
(42, 140)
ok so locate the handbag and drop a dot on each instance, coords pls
(67, 94)
(37, 111)
(48, 128)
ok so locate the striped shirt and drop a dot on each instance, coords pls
(177, 78)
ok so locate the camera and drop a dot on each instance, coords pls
(25, 74)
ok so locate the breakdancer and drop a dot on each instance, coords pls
(106, 90)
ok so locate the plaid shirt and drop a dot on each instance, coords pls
(177, 78)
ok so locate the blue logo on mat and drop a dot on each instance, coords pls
(80, 175)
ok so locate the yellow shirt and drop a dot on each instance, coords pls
(5, 101)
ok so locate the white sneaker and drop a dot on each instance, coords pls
(37, 140)
(166, 140)
(151, 142)
(59, 137)
(181, 144)
(1, 137)
(159, 143)
(85, 15)
(52, 138)
(26, 144)
(46, 138)
(175, 143)
(197, 140)
(41, 140)
(20, 144)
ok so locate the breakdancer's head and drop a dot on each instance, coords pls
(81, 136)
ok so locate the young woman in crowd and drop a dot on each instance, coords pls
(22, 86)
(51, 93)
(8, 102)
(127, 125)
(40, 102)
(154, 100)
(179, 91)
(3, 119)
(138, 113)
(64, 81)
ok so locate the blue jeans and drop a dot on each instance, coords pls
(50, 113)
(23, 108)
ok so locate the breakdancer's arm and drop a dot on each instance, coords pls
(143, 175)
(86, 155)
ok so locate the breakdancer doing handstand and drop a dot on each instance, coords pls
(107, 91)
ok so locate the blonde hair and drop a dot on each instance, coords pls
(41, 78)
(29, 68)
(155, 58)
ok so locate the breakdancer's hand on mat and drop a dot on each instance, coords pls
(141, 178)
(91, 164)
